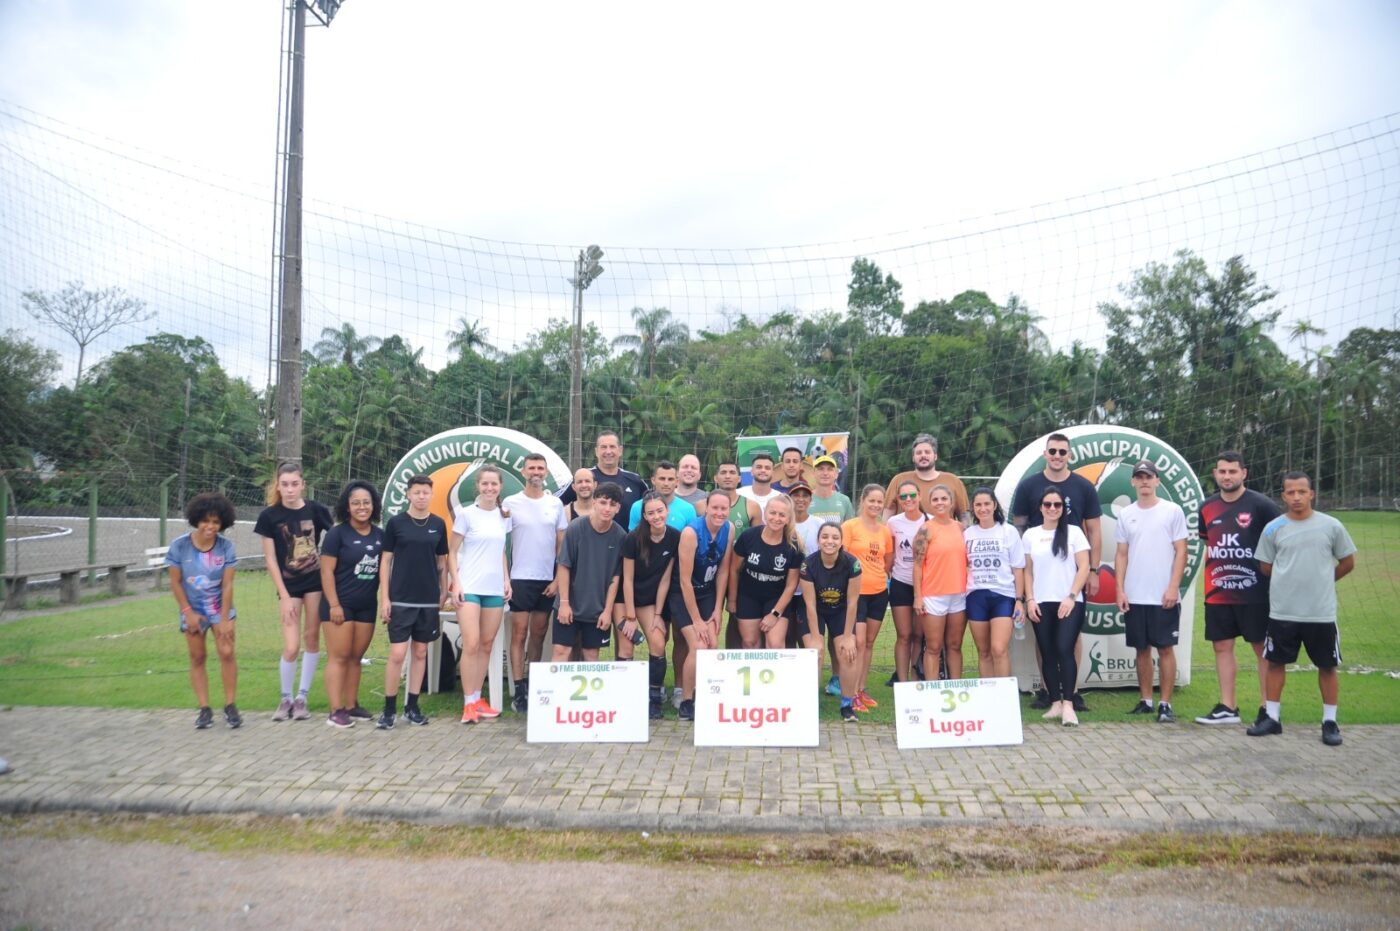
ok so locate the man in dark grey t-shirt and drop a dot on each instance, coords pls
(588, 577)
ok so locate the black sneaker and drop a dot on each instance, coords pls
(1079, 703)
(889, 683)
(519, 702)
(1221, 714)
(1165, 715)
(1331, 734)
(848, 715)
(1041, 700)
(414, 716)
(1143, 707)
(654, 710)
(386, 721)
(687, 709)
(361, 713)
(1261, 716)
(205, 718)
(232, 717)
(1264, 728)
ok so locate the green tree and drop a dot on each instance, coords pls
(874, 299)
(26, 371)
(657, 337)
(85, 315)
(343, 343)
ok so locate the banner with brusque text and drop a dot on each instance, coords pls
(1105, 455)
(813, 446)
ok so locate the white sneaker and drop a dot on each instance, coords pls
(676, 699)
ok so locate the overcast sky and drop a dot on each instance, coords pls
(715, 126)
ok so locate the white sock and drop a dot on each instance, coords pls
(287, 668)
(472, 698)
(1271, 708)
(308, 670)
(1329, 713)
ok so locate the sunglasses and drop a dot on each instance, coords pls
(713, 551)
(1057, 452)
(910, 497)
(1053, 505)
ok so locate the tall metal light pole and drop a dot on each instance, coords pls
(288, 445)
(586, 271)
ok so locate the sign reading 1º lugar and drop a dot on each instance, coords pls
(756, 698)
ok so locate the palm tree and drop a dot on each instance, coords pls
(343, 343)
(469, 336)
(657, 334)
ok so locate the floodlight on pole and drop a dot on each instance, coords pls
(586, 271)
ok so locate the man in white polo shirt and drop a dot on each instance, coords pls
(538, 525)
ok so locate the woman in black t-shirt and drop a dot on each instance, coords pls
(763, 576)
(291, 530)
(350, 589)
(648, 559)
(831, 592)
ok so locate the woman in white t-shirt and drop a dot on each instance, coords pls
(904, 526)
(483, 585)
(995, 582)
(1057, 569)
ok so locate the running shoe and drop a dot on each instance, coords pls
(205, 718)
(1078, 703)
(1263, 713)
(654, 709)
(232, 717)
(299, 710)
(859, 704)
(386, 721)
(415, 716)
(1143, 707)
(867, 700)
(520, 702)
(1220, 714)
(360, 713)
(687, 709)
(833, 687)
(1331, 734)
(1041, 700)
(1069, 718)
(1165, 715)
(848, 715)
(340, 718)
(470, 714)
(284, 710)
(484, 709)
(1265, 728)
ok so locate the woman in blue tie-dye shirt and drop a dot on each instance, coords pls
(201, 578)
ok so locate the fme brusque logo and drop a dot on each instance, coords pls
(1105, 455)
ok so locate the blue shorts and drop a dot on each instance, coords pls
(983, 604)
(486, 601)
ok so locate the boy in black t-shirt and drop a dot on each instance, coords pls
(590, 564)
(416, 557)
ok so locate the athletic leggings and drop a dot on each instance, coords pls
(1056, 637)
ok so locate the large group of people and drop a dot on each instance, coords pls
(777, 563)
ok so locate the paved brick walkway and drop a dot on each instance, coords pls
(1133, 776)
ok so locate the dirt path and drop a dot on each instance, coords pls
(83, 882)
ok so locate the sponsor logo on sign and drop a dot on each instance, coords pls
(452, 459)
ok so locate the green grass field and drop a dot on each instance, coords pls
(126, 653)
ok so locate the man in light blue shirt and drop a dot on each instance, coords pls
(679, 511)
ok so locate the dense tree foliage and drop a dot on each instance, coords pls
(1190, 354)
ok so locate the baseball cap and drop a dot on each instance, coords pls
(1146, 467)
(824, 460)
(799, 485)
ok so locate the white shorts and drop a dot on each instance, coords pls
(942, 605)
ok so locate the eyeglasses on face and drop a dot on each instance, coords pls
(1052, 505)
(1057, 452)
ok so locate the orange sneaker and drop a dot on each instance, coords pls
(485, 710)
(470, 715)
(858, 704)
(867, 701)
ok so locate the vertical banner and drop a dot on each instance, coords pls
(813, 446)
(1105, 455)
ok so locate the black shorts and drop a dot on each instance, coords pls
(527, 596)
(1226, 622)
(306, 585)
(901, 594)
(680, 617)
(581, 633)
(1147, 626)
(872, 607)
(366, 613)
(751, 608)
(1322, 641)
(832, 625)
(421, 625)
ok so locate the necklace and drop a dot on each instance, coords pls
(420, 523)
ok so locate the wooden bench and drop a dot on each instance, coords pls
(17, 583)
